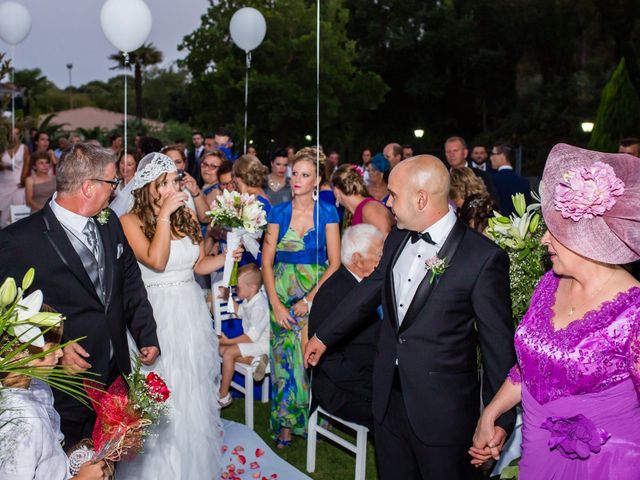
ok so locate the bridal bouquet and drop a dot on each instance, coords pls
(125, 412)
(520, 234)
(244, 215)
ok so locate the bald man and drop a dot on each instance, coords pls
(426, 389)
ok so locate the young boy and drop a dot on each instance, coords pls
(252, 347)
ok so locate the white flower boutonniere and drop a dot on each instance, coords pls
(436, 266)
(103, 216)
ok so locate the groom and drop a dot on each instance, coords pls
(86, 271)
(426, 391)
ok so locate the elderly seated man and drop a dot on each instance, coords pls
(342, 381)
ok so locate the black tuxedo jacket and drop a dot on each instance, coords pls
(349, 364)
(40, 241)
(436, 345)
(491, 187)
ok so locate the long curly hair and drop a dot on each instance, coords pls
(182, 222)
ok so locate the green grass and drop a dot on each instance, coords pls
(332, 461)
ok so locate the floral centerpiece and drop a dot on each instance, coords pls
(244, 215)
(520, 234)
(125, 412)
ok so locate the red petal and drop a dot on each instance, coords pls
(224, 476)
(259, 452)
(240, 471)
(274, 475)
(242, 459)
(239, 448)
(224, 448)
(254, 465)
(256, 475)
(231, 467)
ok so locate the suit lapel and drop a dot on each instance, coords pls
(391, 289)
(109, 261)
(426, 287)
(60, 242)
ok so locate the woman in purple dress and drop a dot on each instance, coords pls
(578, 346)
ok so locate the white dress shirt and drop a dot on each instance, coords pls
(71, 221)
(482, 166)
(255, 320)
(410, 268)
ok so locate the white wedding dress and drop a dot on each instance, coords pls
(188, 445)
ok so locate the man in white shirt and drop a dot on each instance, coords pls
(444, 290)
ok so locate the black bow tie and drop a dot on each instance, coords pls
(415, 236)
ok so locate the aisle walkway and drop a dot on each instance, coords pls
(248, 457)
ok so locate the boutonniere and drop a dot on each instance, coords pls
(436, 266)
(103, 216)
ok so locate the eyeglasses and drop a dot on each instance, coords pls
(212, 166)
(226, 184)
(114, 183)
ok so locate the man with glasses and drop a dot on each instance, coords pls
(506, 180)
(88, 272)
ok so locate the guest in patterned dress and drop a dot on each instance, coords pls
(301, 250)
(578, 346)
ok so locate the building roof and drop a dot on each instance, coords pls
(91, 117)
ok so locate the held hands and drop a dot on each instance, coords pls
(73, 358)
(313, 351)
(488, 441)
(148, 355)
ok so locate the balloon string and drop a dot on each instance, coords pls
(126, 63)
(246, 99)
(318, 133)
(13, 90)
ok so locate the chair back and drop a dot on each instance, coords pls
(19, 212)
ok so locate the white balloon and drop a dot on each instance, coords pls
(247, 28)
(126, 23)
(15, 22)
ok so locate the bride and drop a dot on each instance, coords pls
(165, 237)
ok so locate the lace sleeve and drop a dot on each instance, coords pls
(514, 375)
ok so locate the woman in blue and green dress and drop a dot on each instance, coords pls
(301, 250)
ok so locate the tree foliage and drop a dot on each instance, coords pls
(619, 112)
(282, 86)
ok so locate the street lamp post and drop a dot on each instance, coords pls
(69, 67)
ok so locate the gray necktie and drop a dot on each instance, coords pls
(90, 232)
(95, 267)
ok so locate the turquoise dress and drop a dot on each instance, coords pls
(298, 265)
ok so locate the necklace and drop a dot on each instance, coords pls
(572, 309)
(273, 185)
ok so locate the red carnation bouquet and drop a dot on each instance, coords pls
(125, 412)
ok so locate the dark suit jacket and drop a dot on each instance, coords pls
(436, 345)
(348, 364)
(488, 181)
(193, 166)
(40, 241)
(508, 183)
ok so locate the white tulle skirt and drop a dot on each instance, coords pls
(189, 444)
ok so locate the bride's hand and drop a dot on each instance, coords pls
(283, 318)
(172, 202)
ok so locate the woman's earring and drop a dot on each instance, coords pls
(314, 195)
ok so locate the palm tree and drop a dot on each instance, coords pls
(145, 56)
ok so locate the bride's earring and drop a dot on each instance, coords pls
(314, 195)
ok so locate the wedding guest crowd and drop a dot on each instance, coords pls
(380, 278)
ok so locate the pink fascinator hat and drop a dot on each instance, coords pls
(591, 203)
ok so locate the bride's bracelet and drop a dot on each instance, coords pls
(164, 220)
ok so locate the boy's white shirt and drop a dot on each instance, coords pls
(254, 313)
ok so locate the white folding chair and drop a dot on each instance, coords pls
(19, 212)
(359, 448)
(247, 372)
(220, 307)
(220, 313)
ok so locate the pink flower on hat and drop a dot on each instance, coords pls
(587, 192)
